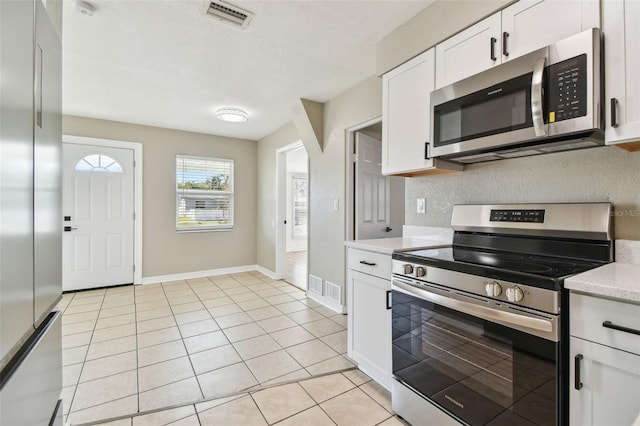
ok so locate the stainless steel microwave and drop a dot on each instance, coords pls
(546, 101)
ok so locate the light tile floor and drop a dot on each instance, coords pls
(138, 348)
(349, 398)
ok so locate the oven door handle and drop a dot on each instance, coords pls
(545, 326)
(537, 97)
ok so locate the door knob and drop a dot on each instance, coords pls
(388, 229)
(69, 228)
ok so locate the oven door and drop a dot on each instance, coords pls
(480, 367)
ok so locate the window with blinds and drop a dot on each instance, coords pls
(204, 193)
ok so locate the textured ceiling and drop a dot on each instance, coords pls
(167, 64)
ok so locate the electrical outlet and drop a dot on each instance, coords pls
(421, 205)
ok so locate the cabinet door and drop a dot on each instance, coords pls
(406, 115)
(610, 378)
(622, 64)
(469, 51)
(369, 331)
(528, 25)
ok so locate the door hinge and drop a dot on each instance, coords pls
(134, 215)
(134, 268)
(354, 158)
(134, 164)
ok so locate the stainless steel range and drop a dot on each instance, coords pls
(480, 329)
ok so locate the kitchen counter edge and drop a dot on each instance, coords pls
(396, 244)
(614, 280)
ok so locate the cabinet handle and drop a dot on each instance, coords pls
(364, 262)
(577, 384)
(505, 37)
(609, 324)
(388, 299)
(492, 46)
(614, 109)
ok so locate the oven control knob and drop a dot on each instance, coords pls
(407, 269)
(420, 271)
(493, 289)
(514, 294)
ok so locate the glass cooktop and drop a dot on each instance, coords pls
(542, 271)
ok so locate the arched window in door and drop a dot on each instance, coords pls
(98, 163)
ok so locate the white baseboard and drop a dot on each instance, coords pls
(325, 301)
(266, 272)
(202, 274)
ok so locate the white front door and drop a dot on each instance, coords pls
(373, 192)
(98, 213)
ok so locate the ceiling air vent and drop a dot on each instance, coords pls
(229, 13)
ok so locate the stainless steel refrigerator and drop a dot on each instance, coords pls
(30, 215)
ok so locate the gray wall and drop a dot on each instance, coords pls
(166, 252)
(327, 175)
(327, 171)
(598, 174)
(266, 204)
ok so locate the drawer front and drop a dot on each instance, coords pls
(620, 319)
(376, 264)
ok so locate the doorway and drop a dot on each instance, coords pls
(292, 198)
(101, 194)
(375, 203)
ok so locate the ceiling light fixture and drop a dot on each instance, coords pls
(232, 115)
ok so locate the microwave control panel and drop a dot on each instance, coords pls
(567, 89)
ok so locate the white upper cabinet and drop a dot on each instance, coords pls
(621, 29)
(525, 26)
(406, 117)
(528, 25)
(473, 50)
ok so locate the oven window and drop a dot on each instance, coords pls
(481, 372)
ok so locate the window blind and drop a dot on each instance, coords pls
(204, 193)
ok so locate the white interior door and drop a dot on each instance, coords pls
(374, 201)
(98, 213)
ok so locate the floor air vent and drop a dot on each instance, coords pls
(230, 14)
(333, 292)
(315, 284)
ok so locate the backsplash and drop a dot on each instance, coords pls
(597, 174)
(435, 233)
(628, 251)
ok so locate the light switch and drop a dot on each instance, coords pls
(421, 205)
(336, 204)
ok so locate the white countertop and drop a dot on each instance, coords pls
(614, 280)
(392, 245)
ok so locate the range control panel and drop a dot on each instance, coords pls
(534, 216)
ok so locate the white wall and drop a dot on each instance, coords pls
(166, 252)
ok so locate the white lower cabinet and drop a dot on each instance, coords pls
(605, 362)
(369, 326)
(607, 390)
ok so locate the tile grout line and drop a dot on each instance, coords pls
(135, 319)
(195, 374)
(184, 345)
(246, 288)
(84, 362)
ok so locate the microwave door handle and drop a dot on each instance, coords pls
(536, 97)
